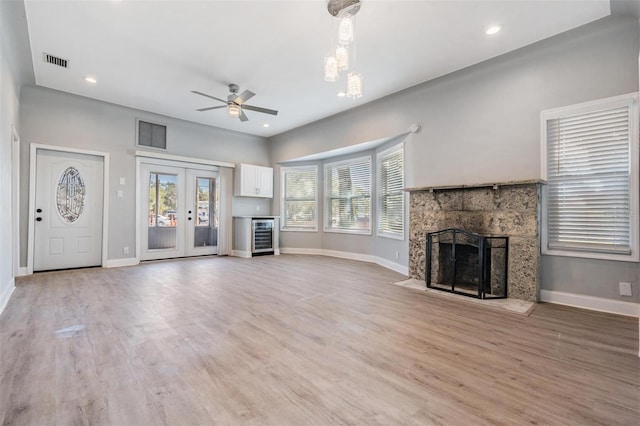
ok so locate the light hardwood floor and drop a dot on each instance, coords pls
(294, 340)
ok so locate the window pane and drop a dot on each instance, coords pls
(203, 188)
(205, 230)
(299, 204)
(163, 201)
(589, 181)
(349, 195)
(390, 191)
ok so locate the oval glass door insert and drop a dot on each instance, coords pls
(70, 195)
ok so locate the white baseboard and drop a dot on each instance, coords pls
(404, 270)
(401, 269)
(22, 271)
(240, 253)
(6, 294)
(117, 263)
(611, 306)
(312, 252)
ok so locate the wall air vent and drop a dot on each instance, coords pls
(50, 59)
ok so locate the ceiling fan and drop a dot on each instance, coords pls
(235, 103)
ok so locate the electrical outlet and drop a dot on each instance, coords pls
(125, 250)
(397, 255)
(625, 289)
(257, 208)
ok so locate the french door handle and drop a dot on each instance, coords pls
(39, 219)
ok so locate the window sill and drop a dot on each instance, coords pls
(299, 229)
(347, 231)
(399, 237)
(633, 257)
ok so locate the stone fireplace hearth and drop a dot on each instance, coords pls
(509, 210)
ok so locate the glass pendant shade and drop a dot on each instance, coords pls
(330, 68)
(342, 56)
(354, 85)
(234, 110)
(345, 29)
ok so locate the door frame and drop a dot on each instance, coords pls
(171, 160)
(33, 152)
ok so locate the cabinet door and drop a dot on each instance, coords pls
(265, 177)
(249, 180)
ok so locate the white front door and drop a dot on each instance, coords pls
(68, 210)
(179, 212)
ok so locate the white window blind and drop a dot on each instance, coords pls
(300, 198)
(348, 196)
(589, 196)
(390, 166)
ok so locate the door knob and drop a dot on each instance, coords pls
(189, 218)
(39, 219)
(39, 211)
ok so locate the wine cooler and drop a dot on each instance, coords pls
(262, 234)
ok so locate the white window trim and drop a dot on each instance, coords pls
(379, 233)
(283, 170)
(327, 205)
(630, 99)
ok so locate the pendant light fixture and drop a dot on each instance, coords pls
(341, 57)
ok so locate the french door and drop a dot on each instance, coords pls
(179, 211)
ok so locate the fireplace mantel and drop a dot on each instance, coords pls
(494, 185)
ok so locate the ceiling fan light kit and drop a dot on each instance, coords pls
(234, 110)
(338, 60)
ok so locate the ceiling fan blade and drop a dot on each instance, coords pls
(244, 97)
(258, 109)
(208, 96)
(243, 117)
(210, 108)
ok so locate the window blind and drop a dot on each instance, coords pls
(348, 194)
(589, 181)
(390, 191)
(300, 198)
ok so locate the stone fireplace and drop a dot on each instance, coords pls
(506, 210)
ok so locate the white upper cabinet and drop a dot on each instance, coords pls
(253, 181)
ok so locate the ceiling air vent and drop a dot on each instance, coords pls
(50, 59)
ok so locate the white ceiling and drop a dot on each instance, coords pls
(149, 55)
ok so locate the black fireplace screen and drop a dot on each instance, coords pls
(466, 263)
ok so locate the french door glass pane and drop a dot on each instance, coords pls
(163, 202)
(206, 228)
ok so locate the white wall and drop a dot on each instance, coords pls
(481, 124)
(14, 72)
(61, 119)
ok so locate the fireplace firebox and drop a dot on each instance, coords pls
(467, 263)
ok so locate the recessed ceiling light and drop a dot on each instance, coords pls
(265, 125)
(341, 94)
(494, 29)
(90, 80)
